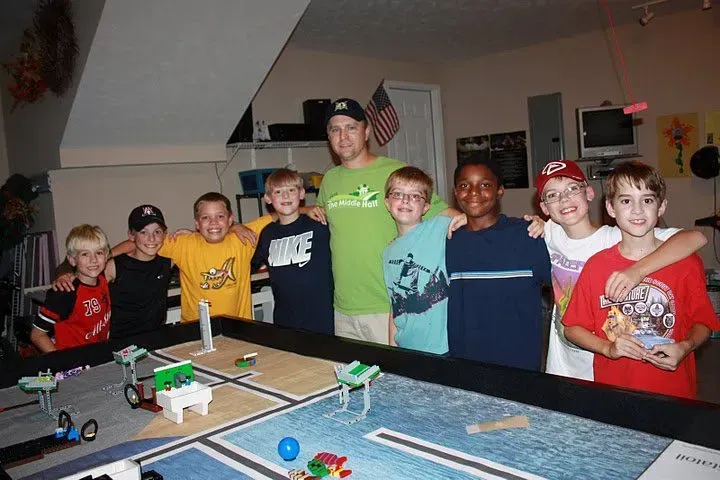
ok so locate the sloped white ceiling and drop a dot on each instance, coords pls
(175, 72)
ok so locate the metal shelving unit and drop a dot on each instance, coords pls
(264, 145)
(289, 146)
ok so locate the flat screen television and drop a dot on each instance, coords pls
(606, 132)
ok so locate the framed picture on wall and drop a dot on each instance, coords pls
(508, 149)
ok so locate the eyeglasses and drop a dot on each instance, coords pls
(412, 197)
(570, 191)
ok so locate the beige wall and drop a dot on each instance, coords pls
(672, 65)
(106, 195)
(667, 62)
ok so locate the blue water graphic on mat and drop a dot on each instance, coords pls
(192, 464)
(555, 446)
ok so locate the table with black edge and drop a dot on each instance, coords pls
(421, 406)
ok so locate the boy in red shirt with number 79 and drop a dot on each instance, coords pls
(645, 341)
(81, 316)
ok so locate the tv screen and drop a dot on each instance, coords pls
(606, 132)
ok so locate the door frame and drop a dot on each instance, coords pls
(437, 122)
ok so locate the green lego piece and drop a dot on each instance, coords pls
(317, 468)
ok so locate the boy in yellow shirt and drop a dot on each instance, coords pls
(214, 265)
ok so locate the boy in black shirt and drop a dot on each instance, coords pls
(296, 250)
(138, 280)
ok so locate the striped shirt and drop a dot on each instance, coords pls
(494, 311)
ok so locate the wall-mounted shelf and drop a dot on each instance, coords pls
(609, 158)
(255, 146)
(269, 145)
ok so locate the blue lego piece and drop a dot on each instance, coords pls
(73, 435)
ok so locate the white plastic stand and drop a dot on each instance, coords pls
(195, 396)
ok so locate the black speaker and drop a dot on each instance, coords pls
(314, 115)
(244, 130)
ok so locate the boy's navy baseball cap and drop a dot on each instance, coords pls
(345, 106)
(558, 168)
(144, 215)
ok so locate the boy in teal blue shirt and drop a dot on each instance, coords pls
(414, 264)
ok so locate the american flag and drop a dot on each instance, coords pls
(382, 115)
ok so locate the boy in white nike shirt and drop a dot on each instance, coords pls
(572, 239)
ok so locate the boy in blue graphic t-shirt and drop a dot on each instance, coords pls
(414, 264)
(296, 251)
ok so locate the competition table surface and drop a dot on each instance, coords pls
(416, 428)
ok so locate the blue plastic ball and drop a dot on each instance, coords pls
(288, 448)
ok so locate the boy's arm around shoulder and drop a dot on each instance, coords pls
(258, 224)
(65, 276)
(126, 246)
(256, 227)
(456, 220)
(679, 246)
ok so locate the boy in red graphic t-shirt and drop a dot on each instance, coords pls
(644, 341)
(82, 316)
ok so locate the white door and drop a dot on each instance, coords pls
(419, 142)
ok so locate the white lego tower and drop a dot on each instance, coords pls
(205, 328)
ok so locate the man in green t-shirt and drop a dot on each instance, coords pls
(351, 202)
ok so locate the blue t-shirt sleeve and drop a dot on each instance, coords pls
(437, 228)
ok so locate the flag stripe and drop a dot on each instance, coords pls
(382, 116)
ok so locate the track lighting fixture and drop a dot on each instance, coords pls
(647, 14)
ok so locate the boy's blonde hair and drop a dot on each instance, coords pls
(638, 175)
(283, 177)
(413, 176)
(211, 197)
(86, 237)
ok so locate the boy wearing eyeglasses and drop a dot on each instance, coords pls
(414, 264)
(572, 239)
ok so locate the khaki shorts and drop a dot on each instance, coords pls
(371, 327)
